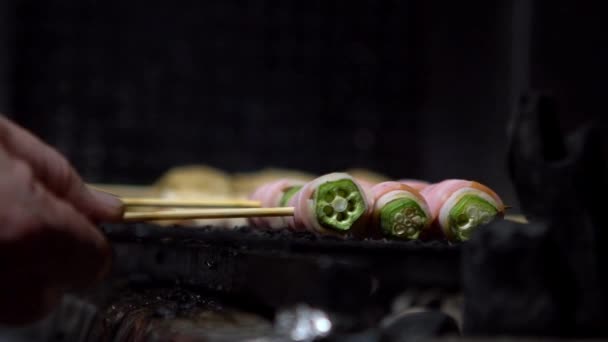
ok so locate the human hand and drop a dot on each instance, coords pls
(48, 242)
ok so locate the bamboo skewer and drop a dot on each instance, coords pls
(181, 203)
(188, 203)
(194, 214)
(516, 218)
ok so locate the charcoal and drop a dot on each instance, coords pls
(167, 311)
(547, 277)
(371, 335)
(508, 273)
(413, 326)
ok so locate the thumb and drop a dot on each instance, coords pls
(56, 173)
(96, 204)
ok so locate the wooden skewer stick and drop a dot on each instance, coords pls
(188, 203)
(516, 218)
(194, 214)
(181, 203)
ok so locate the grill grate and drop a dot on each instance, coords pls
(280, 268)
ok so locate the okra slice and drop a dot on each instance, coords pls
(403, 218)
(339, 204)
(288, 194)
(468, 214)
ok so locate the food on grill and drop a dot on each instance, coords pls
(275, 194)
(367, 185)
(459, 207)
(243, 184)
(198, 182)
(333, 203)
(414, 183)
(367, 177)
(194, 181)
(341, 203)
(400, 210)
(257, 194)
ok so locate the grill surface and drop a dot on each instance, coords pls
(274, 269)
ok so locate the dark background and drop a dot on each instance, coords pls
(408, 88)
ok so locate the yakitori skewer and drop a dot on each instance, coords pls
(335, 203)
(461, 206)
(275, 194)
(195, 214)
(188, 203)
(400, 211)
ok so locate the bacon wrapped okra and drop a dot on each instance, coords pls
(414, 183)
(400, 210)
(333, 203)
(459, 207)
(275, 194)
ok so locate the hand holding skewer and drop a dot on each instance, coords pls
(48, 240)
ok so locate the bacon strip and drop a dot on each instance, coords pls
(414, 183)
(386, 192)
(270, 196)
(305, 216)
(442, 197)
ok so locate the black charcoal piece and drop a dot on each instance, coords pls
(371, 335)
(547, 277)
(512, 282)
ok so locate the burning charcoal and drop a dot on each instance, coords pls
(303, 323)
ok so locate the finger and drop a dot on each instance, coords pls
(67, 253)
(45, 236)
(56, 173)
(82, 252)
